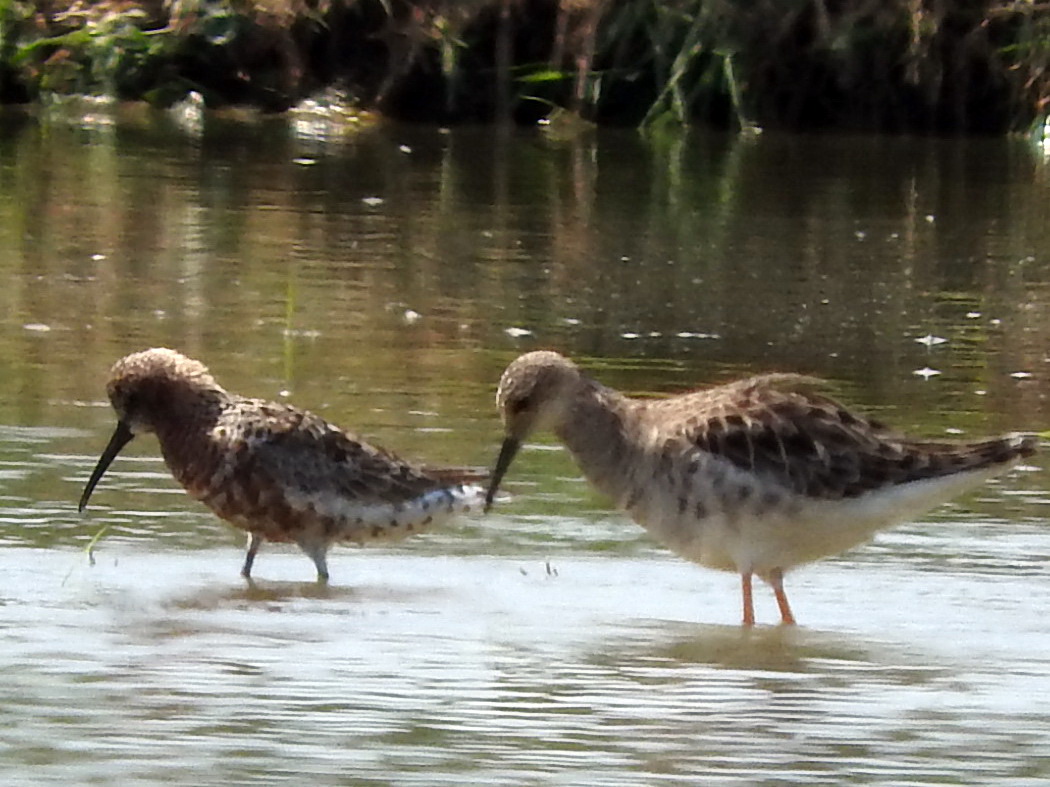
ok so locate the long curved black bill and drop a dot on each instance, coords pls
(121, 437)
(506, 456)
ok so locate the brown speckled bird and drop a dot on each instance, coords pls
(757, 476)
(280, 473)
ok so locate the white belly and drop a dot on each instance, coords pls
(780, 530)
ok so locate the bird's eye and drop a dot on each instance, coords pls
(515, 406)
(131, 402)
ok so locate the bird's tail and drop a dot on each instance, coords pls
(950, 458)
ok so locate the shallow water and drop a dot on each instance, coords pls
(384, 280)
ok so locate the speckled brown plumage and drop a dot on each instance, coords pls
(756, 476)
(280, 473)
(779, 426)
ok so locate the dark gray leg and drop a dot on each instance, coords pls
(317, 551)
(254, 542)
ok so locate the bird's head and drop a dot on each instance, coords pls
(535, 394)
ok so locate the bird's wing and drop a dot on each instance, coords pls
(305, 453)
(780, 426)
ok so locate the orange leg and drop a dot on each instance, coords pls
(776, 579)
(749, 605)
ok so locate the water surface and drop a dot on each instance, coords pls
(384, 280)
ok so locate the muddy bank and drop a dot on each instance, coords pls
(901, 66)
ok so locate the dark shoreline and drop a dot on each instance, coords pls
(896, 67)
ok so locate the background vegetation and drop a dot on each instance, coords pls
(891, 65)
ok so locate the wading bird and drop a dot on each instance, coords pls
(757, 476)
(278, 472)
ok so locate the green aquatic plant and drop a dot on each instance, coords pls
(902, 65)
(95, 51)
(17, 25)
(89, 551)
(1026, 53)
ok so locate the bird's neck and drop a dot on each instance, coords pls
(186, 438)
(598, 432)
